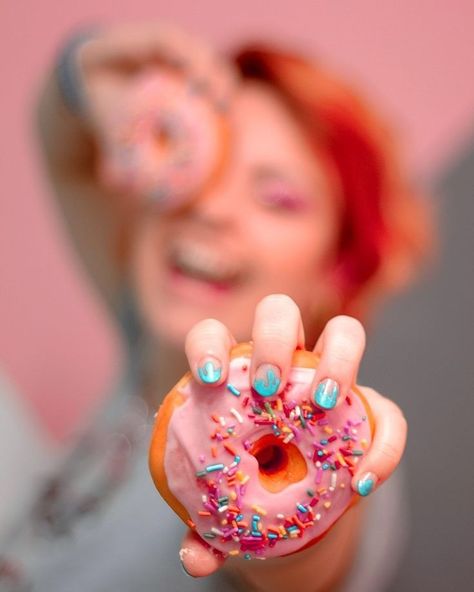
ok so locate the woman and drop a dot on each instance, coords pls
(304, 222)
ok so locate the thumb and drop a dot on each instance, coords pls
(197, 557)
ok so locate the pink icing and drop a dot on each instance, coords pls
(156, 104)
(238, 515)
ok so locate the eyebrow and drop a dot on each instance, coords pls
(265, 171)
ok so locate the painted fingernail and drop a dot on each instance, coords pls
(267, 380)
(326, 394)
(366, 484)
(209, 371)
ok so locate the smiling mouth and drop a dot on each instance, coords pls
(205, 264)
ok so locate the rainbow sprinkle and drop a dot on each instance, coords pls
(222, 485)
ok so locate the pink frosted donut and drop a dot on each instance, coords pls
(164, 140)
(258, 477)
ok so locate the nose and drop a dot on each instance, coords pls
(219, 202)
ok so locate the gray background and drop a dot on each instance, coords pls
(420, 353)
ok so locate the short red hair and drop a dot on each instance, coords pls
(384, 230)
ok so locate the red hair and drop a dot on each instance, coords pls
(384, 229)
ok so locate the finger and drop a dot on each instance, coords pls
(208, 72)
(387, 445)
(207, 347)
(225, 82)
(197, 559)
(277, 332)
(213, 76)
(340, 347)
(135, 45)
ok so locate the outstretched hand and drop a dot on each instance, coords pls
(277, 332)
(149, 95)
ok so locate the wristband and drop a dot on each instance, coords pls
(68, 72)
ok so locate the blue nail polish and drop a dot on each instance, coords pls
(326, 394)
(365, 485)
(267, 380)
(209, 372)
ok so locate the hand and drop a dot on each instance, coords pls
(153, 96)
(277, 332)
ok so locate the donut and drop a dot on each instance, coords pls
(255, 476)
(165, 141)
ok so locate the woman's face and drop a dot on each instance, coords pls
(268, 224)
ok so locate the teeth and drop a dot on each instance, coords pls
(203, 263)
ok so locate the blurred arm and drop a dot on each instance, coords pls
(93, 218)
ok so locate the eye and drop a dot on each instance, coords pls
(283, 198)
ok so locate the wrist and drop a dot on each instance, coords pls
(320, 568)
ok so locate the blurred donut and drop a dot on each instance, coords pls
(166, 141)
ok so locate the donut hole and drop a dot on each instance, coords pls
(279, 464)
(163, 138)
(167, 132)
(271, 459)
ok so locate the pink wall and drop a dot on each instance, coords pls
(56, 343)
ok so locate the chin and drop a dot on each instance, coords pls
(170, 327)
(171, 322)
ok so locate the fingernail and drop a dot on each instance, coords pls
(182, 552)
(267, 380)
(326, 394)
(185, 571)
(366, 484)
(210, 371)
